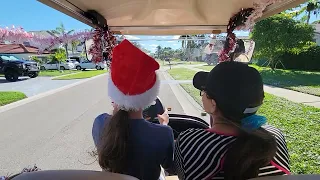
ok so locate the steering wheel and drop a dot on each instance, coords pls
(152, 111)
(178, 122)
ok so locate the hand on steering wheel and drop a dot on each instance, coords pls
(164, 118)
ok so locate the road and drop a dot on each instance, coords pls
(54, 132)
(35, 86)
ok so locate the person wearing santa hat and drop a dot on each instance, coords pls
(126, 142)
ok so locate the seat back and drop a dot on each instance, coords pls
(72, 175)
(290, 177)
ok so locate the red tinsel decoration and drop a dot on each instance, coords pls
(96, 48)
(237, 20)
(103, 44)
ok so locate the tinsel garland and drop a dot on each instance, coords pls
(96, 48)
(103, 44)
(237, 20)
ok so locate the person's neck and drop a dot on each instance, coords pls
(136, 115)
(222, 126)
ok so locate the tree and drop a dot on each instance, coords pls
(278, 34)
(305, 10)
(36, 59)
(74, 45)
(158, 52)
(61, 31)
(58, 57)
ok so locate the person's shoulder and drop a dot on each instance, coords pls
(275, 131)
(101, 118)
(161, 127)
(192, 132)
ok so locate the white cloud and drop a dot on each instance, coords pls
(175, 44)
(176, 37)
(170, 41)
(153, 45)
(143, 44)
(130, 37)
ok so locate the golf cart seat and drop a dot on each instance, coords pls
(72, 175)
(290, 177)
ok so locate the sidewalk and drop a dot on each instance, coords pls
(291, 95)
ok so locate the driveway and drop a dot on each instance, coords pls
(54, 132)
(33, 86)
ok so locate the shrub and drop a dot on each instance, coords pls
(307, 58)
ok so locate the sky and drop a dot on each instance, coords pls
(34, 16)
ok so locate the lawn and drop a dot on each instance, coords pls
(302, 81)
(52, 73)
(82, 75)
(173, 63)
(299, 123)
(7, 97)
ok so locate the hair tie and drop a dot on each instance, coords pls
(253, 122)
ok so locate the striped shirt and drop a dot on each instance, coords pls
(199, 154)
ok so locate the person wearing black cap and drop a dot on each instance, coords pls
(239, 145)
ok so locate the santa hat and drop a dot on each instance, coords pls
(133, 83)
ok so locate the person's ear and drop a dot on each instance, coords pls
(213, 106)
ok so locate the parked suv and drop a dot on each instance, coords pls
(12, 67)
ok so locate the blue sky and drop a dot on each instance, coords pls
(33, 16)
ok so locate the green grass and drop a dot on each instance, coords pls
(302, 81)
(52, 73)
(7, 97)
(181, 73)
(206, 67)
(178, 62)
(82, 75)
(299, 123)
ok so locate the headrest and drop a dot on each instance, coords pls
(72, 175)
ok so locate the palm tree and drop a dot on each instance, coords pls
(74, 45)
(61, 31)
(312, 6)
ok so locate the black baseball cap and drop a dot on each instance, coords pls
(236, 87)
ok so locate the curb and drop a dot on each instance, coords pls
(53, 78)
(44, 94)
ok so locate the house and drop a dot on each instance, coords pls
(76, 52)
(21, 51)
(317, 34)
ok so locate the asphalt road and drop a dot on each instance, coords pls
(34, 86)
(54, 132)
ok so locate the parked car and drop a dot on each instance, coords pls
(13, 67)
(75, 62)
(91, 65)
(53, 65)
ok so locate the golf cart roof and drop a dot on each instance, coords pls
(161, 17)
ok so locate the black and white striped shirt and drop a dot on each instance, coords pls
(199, 154)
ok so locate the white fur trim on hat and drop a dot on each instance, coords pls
(133, 102)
